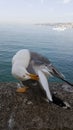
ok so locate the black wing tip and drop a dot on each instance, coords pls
(67, 82)
(60, 102)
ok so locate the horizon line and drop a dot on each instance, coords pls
(35, 23)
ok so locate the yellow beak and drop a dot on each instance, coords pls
(33, 76)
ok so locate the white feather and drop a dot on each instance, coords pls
(45, 85)
(20, 62)
(22, 57)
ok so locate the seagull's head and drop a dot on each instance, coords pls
(22, 74)
(20, 64)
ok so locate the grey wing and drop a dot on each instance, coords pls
(39, 60)
(36, 60)
(30, 68)
(55, 72)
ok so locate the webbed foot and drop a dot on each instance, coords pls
(22, 90)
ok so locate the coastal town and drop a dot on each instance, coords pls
(62, 25)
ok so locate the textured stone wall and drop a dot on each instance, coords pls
(28, 111)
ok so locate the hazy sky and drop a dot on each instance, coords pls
(36, 11)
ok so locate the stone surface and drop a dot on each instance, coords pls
(28, 111)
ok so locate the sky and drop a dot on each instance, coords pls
(36, 11)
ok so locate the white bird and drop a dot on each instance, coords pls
(27, 65)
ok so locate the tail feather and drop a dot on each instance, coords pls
(60, 102)
(58, 74)
(67, 82)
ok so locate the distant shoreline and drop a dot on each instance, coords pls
(67, 25)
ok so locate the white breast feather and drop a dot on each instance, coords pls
(19, 63)
(22, 57)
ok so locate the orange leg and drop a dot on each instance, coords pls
(22, 90)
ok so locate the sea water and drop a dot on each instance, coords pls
(57, 46)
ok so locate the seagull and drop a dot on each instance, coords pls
(30, 67)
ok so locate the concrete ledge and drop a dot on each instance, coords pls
(27, 111)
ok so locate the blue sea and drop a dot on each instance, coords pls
(56, 46)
